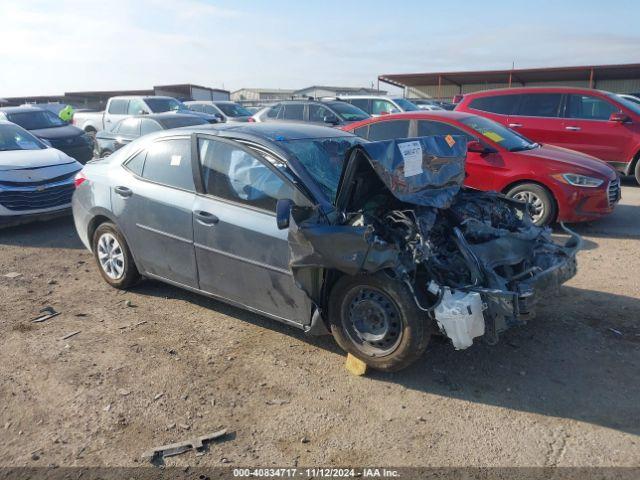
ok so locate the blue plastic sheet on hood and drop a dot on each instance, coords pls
(426, 171)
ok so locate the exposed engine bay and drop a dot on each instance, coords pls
(474, 261)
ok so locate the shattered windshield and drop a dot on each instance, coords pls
(323, 158)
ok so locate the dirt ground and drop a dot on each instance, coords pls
(563, 390)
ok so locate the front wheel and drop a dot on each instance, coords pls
(541, 203)
(376, 319)
(113, 257)
(637, 172)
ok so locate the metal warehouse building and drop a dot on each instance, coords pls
(445, 85)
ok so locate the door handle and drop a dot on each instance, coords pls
(573, 129)
(206, 218)
(515, 125)
(123, 191)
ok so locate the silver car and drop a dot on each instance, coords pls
(375, 242)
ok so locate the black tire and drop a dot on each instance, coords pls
(105, 153)
(353, 298)
(533, 190)
(129, 275)
(637, 171)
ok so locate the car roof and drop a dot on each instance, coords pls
(272, 132)
(128, 97)
(24, 108)
(381, 97)
(518, 90)
(417, 115)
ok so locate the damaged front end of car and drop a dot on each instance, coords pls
(473, 261)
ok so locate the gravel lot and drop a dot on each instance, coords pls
(563, 390)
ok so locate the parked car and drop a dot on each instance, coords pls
(122, 107)
(53, 130)
(595, 122)
(35, 180)
(374, 242)
(380, 105)
(127, 130)
(560, 184)
(227, 111)
(329, 112)
(631, 98)
(426, 104)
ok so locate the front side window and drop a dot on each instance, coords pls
(502, 104)
(506, 138)
(348, 112)
(427, 128)
(406, 105)
(539, 104)
(389, 130)
(159, 105)
(231, 173)
(36, 120)
(318, 113)
(136, 107)
(118, 106)
(273, 111)
(382, 107)
(587, 107)
(169, 162)
(234, 110)
(129, 127)
(293, 111)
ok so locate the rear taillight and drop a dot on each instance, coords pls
(79, 179)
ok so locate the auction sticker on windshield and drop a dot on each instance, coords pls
(412, 155)
(493, 136)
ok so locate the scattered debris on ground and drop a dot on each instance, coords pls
(178, 448)
(49, 312)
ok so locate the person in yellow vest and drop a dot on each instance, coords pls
(66, 113)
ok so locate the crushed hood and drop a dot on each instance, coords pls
(425, 171)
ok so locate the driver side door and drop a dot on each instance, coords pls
(241, 254)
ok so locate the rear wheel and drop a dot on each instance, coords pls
(376, 319)
(542, 206)
(113, 257)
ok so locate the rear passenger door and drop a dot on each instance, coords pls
(537, 117)
(241, 255)
(153, 202)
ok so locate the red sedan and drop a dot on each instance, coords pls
(560, 184)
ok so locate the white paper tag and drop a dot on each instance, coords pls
(412, 156)
(175, 160)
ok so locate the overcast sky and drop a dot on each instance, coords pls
(48, 47)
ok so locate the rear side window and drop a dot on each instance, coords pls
(293, 112)
(118, 106)
(381, 107)
(362, 131)
(539, 104)
(388, 130)
(169, 162)
(195, 107)
(318, 113)
(588, 107)
(502, 104)
(233, 174)
(428, 128)
(136, 163)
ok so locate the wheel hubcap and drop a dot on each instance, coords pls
(536, 204)
(372, 322)
(111, 256)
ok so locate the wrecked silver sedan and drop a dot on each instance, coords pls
(376, 243)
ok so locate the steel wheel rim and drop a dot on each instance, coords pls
(111, 256)
(536, 205)
(372, 321)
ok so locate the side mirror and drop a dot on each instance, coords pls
(283, 211)
(142, 112)
(476, 146)
(385, 112)
(330, 119)
(619, 117)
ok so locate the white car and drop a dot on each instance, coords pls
(35, 179)
(379, 105)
